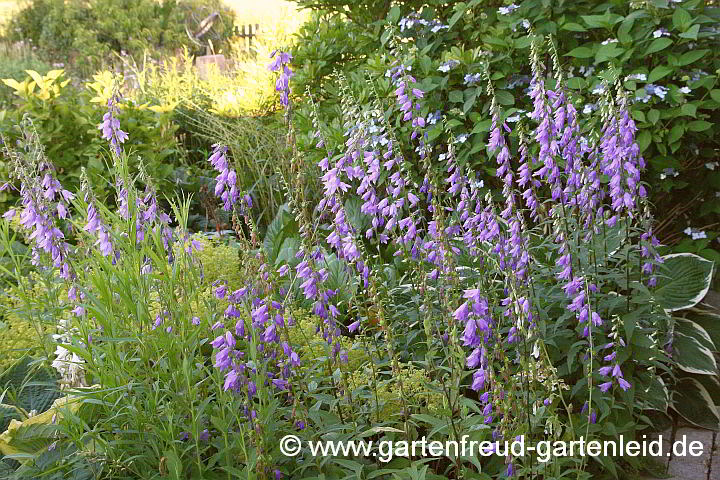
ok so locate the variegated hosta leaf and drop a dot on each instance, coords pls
(683, 281)
(657, 394)
(692, 401)
(691, 356)
(693, 329)
(710, 322)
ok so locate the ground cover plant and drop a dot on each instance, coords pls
(405, 287)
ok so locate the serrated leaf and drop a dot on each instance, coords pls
(684, 282)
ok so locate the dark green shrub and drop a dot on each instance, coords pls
(89, 32)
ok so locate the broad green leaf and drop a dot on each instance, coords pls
(456, 96)
(653, 116)
(460, 10)
(659, 72)
(715, 95)
(657, 393)
(681, 19)
(606, 52)
(282, 226)
(699, 126)
(691, 56)
(676, 133)
(684, 281)
(692, 401)
(691, 33)
(580, 52)
(606, 20)
(692, 329)
(504, 97)
(710, 322)
(658, 44)
(573, 27)
(576, 83)
(688, 109)
(643, 140)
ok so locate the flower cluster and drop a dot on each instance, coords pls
(111, 126)
(282, 84)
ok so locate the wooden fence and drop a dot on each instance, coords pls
(247, 34)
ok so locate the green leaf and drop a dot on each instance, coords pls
(692, 401)
(456, 96)
(576, 83)
(607, 20)
(691, 33)
(573, 27)
(658, 44)
(681, 19)
(282, 226)
(684, 282)
(643, 140)
(710, 322)
(653, 116)
(688, 109)
(580, 52)
(715, 95)
(699, 126)
(692, 329)
(692, 56)
(659, 72)
(394, 15)
(676, 133)
(606, 52)
(460, 10)
(692, 357)
(504, 97)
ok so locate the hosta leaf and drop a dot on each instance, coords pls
(656, 392)
(710, 322)
(684, 281)
(692, 357)
(282, 227)
(692, 401)
(692, 329)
